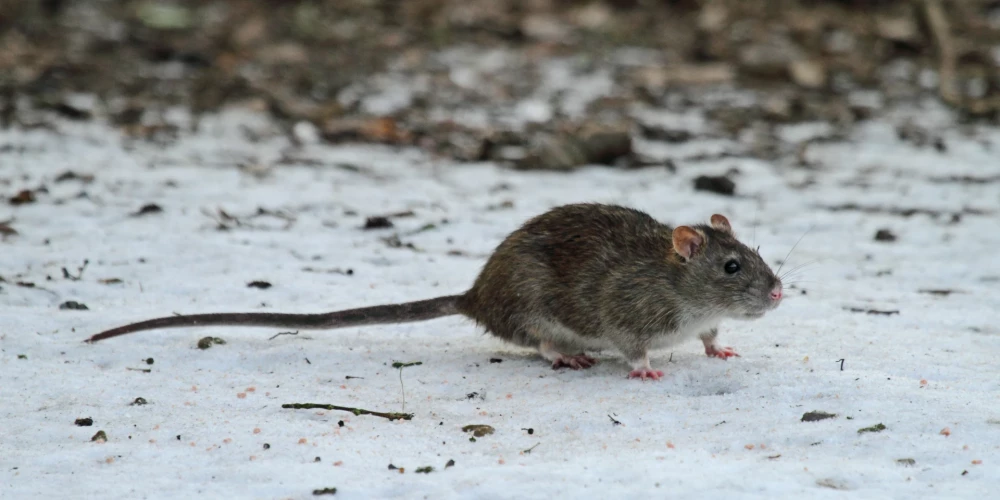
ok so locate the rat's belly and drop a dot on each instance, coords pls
(564, 336)
(554, 331)
(686, 331)
(671, 339)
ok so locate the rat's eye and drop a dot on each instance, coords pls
(732, 267)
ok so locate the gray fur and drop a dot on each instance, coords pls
(587, 275)
(578, 277)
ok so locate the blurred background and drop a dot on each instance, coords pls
(182, 156)
(551, 84)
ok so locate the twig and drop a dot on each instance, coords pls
(397, 364)
(941, 31)
(225, 221)
(296, 332)
(79, 272)
(355, 411)
(401, 365)
(528, 451)
(872, 311)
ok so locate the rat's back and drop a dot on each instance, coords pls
(554, 266)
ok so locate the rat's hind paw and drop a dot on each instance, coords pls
(575, 362)
(720, 352)
(644, 373)
(549, 351)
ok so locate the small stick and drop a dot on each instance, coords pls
(402, 365)
(79, 273)
(941, 30)
(398, 364)
(355, 411)
(296, 332)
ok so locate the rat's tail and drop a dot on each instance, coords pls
(387, 313)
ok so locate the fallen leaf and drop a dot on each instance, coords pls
(814, 416)
(478, 430)
(23, 197)
(6, 230)
(875, 428)
(715, 184)
(149, 208)
(377, 222)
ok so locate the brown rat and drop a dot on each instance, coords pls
(576, 278)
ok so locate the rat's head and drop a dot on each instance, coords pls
(722, 274)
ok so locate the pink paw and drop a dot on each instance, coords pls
(644, 373)
(720, 352)
(576, 362)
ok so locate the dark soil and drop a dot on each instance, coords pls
(294, 60)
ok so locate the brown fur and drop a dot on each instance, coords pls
(611, 273)
(576, 277)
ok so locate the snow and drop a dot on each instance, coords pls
(709, 429)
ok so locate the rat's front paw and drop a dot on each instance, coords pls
(720, 352)
(645, 373)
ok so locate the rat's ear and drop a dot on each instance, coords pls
(687, 241)
(721, 223)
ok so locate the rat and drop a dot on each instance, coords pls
(578, 277)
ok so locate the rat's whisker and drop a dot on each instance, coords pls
(797, 268)
(796, 271)
(793, 274)
(799, 282)
(793, 249)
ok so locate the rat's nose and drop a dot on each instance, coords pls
(776, 293)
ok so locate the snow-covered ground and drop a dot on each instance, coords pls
(214, 427)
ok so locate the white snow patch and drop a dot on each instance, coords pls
(710, 429)
(575, 87)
